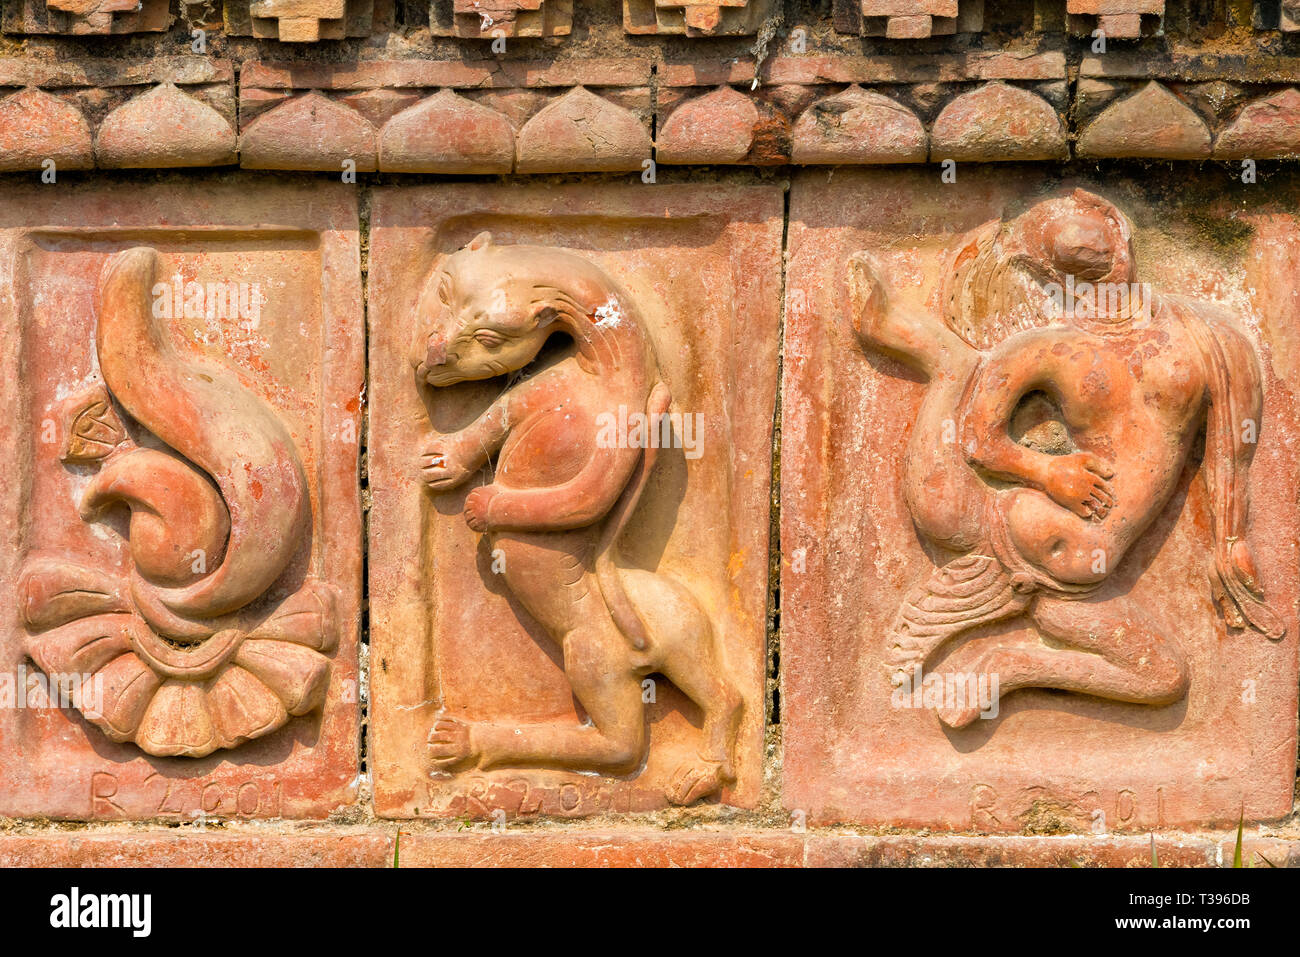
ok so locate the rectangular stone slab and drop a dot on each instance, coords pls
(280, 355)
(852, 548)
(449, 637)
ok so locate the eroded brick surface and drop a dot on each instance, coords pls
(163, 112)
(448, 117)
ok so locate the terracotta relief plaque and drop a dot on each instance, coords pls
(570, 458)
(182, 564)
(1038, 536)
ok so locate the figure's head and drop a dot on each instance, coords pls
(1006, 274)
(1091, 240)
(478, 317)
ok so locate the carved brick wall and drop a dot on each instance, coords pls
(767, 432)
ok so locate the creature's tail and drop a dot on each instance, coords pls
(202, 411)
(607, 575)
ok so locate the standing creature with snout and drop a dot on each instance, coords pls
(556, 506)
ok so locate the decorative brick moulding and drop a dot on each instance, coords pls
(908, 19)
(447, 117)
(976, 496)
(501, 18)
(182, 537)
(306, 21)
(729, 17)
(1115, 19)
(1188, 109)
(169, 111)
(593, 638)
(86, 17)
(853, 110)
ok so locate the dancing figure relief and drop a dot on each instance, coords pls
(190, 654)
(1052, 434)
(557, 503)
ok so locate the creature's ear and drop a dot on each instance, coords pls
(480, 241)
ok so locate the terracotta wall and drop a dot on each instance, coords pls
(531, 432)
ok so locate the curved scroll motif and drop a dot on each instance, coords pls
(1064, 399)
(190, 659)
(559, 499)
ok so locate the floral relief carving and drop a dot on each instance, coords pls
(188, 653)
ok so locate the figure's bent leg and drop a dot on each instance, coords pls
(1115, 651)
(613, 742)
(684, 649)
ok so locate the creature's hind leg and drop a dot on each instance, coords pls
(696, 670)
(685, 650)
(1115, 651)
(613, 741)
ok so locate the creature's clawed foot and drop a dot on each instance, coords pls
(445, 463)
(451, 745)
(696, 779)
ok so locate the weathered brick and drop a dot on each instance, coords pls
(582, 132)
(998, 123)
(308, 132)
(1151, 123)
(715, 128)
(447, 133)
(164, 127)
(859, 126)
(1268, 128)
(35, 127)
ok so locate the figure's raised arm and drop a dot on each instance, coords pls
(917, 337)
(448, 459)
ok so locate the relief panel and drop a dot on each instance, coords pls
(1038, 527)
(570, 461)
(183, 560)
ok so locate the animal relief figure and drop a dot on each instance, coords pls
(558, 501)
(1047, 443)
(189, 653)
